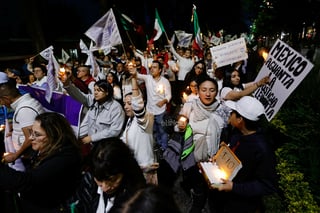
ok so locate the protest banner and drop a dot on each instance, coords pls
(60, 103)
(230, 52)
(286, 68)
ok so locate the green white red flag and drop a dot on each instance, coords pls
(197, 42)
(158, 28)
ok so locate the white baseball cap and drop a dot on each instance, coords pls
(248, 107)
(3, 78)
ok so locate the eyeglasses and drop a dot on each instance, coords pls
(34, 134)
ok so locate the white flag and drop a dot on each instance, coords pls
(183, 38)
(65, 56)
(105, 32)
(83, 47)
(53, 69)
(215, 40)
(91, 60)
(47, 53)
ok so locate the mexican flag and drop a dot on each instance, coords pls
(158, 28)
(197, 42)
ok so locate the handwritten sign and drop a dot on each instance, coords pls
(227, 161)
(226, 166)
(286, 68)
(230, 52)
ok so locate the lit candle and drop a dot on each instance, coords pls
(160, 89)
(62, 70)
(216, 174)
(220, 174)
(4, 154)
(185, 96)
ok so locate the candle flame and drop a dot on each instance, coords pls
(160, 89)
(221, 174)
(185, 96)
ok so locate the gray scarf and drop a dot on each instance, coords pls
(203, 111)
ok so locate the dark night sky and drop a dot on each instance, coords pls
(69, 19)
(73, 17)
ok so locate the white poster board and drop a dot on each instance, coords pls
(286, 68)
(229, 52)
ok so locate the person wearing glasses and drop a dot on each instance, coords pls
(55, 169)
(26, 108)
(198, 70)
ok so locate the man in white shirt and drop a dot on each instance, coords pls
(158, 96)
(26, 108)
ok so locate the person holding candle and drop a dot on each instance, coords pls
(105, 116)
(55, 170)
(25, 108)
(193, 87)
(158, 96)
(179, 157)
(138, 133)
(207, 118)
(257, 177)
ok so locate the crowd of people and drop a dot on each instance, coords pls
(147, 118)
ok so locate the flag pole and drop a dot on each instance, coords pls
(165, 33)
(124, 50)
(129, 38)
(32, 57)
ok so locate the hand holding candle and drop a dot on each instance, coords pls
(160, 89)
(185, 96)
(62, 73)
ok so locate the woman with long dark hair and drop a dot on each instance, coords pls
(117, 174)
(233, 88)
(55, 169)
(105, 116)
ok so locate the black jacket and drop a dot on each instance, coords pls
(256, 178)
(48, 186)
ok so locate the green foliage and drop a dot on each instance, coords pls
(298, 158)
(296, 191)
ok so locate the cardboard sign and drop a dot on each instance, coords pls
(286, 68)
(230, 52)
(226, 166)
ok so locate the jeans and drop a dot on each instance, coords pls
(159, 131)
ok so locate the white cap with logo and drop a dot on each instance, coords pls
(248, 107)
